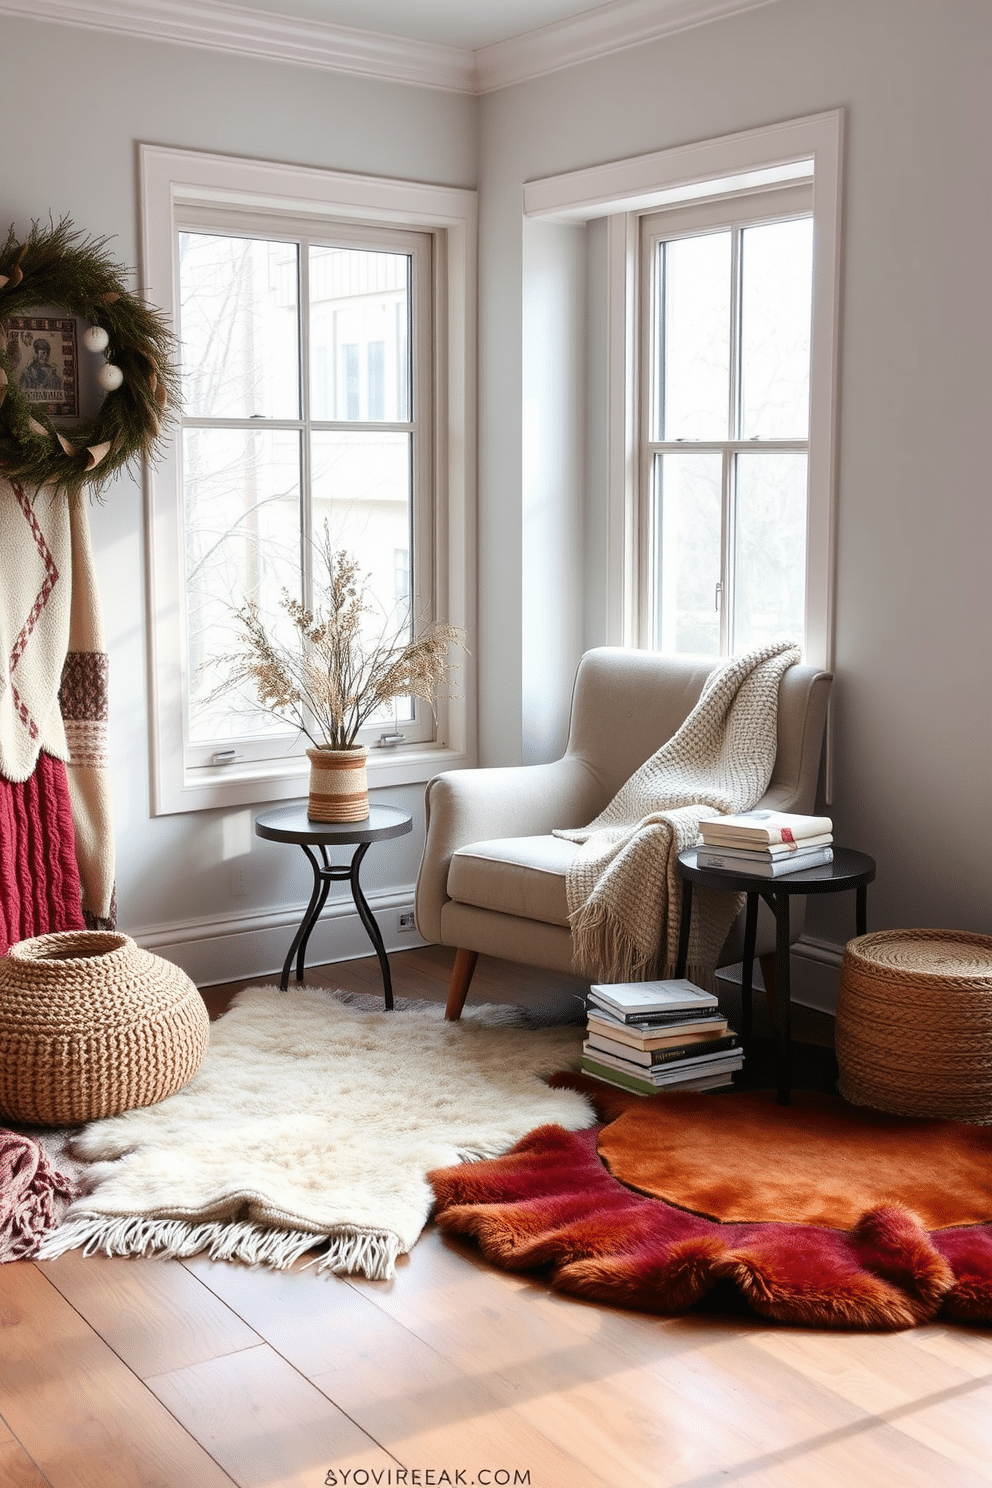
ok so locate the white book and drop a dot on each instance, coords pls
(764, 828)
(652, 997)
(754, 852)
(714, 857)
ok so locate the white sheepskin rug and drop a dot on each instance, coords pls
(312, 1124)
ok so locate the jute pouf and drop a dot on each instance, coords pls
(914, 1023)
(92, 1025)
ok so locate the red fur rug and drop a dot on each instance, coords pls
(552, 1203)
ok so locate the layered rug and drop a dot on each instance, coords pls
(312, 1125)
(816, 1213)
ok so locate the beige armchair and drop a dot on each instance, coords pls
(492, 878)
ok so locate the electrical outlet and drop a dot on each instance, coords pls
(405, 921)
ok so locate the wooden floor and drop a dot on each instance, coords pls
(118, 1373)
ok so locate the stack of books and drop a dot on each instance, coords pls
(766, 843)
(652, 1036)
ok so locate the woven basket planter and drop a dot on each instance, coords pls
(914, 1024)
(91, 1025)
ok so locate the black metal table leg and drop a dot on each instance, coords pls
(327, 876)
(682, 957)
(861, 910)
(784, 998)
(306, 924)
(368, 920)
(747, 969)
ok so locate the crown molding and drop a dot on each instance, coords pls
(237, 29)
(242, 31)
(596, 33)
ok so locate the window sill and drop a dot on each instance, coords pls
(255, 782)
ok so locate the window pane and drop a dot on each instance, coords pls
(242, 496)
(240, 327)
(695, 357)
(770, 548)
(360, 335)
(687, 556)
(776, 305)
(362, 487)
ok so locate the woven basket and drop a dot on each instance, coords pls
(91, 1025)
(914, 1024)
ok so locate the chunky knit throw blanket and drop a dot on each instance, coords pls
(33, 1196)
(622, 886)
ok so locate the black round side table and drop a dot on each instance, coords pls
(291, 824)
(849, 870)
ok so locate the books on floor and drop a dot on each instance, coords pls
(664, 1049)
(639, 999)
(768, 844)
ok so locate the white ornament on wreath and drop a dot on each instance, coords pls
(110, 377)
(96, 339)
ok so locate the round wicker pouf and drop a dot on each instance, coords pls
(92, 1025)
(914, 1024)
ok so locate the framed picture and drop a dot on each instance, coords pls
(42, 352)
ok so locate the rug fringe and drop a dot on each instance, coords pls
(344, 1252)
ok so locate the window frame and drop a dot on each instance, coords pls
(796, 151)
(788, 201)
(178, 186)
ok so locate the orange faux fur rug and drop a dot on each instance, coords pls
(895, 1252)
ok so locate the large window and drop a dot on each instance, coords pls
(325, 332)
(726, 302)
(307, 407)
(715, 281)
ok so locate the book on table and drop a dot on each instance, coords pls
(772, 853)
(762, 828)
(653, 1035)
(756, 866)
(637, 999)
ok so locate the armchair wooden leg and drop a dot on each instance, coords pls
(461, 977)
(770, 978)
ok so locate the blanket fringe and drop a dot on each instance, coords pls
(344, 1252)
(603, 947)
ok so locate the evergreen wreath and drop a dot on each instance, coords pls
(62, 267)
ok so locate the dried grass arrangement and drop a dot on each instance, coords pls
(340, 669)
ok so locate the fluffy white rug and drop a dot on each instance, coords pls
(311, 1123)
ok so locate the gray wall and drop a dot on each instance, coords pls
(186, 880)
(913, 693)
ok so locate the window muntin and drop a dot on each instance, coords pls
(307, 371)
(727, 301)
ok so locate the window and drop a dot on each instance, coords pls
(726, 302)
(325, 332)
(717, 326)
(298, 412)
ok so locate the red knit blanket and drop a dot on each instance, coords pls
(39, 877)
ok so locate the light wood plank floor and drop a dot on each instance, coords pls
(142, 1373)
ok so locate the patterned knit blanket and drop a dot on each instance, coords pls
(622, 886)
(33, 1196)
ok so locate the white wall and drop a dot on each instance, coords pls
(913, 691)
(201, 887)
(914, 638)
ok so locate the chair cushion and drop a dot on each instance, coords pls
(522, 876)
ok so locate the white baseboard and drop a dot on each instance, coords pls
(230, 948)
(814, 972)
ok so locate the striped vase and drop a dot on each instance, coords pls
(339, 784)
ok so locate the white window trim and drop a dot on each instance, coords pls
(622, 191)
(169, 177)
